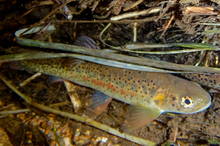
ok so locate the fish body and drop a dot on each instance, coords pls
(160, 91)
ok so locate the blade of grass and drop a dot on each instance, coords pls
(44, 55)
(133, 48)
(118, 57)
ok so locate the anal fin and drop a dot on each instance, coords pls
(99, 102)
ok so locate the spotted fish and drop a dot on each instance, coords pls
(151, 94)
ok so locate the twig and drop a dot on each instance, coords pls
(149, 19)
(138, 13)
(135, 32)
(60, 104)
(167, 26)
(28, 80)
(136, 3)
(14, 111)
(77, 117)
(6, 107)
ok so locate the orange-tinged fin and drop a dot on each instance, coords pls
(139, 116)
(99, 103)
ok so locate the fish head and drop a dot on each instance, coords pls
(182, 96)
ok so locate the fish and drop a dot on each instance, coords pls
(150, 94)
(211, 80)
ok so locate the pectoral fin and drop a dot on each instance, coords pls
(99, 102)
(140, 116)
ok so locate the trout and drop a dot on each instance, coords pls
(150, 94)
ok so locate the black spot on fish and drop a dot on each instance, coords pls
(173, 98)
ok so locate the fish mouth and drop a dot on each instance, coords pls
(203, 107)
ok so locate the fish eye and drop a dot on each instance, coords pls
(187, 102)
